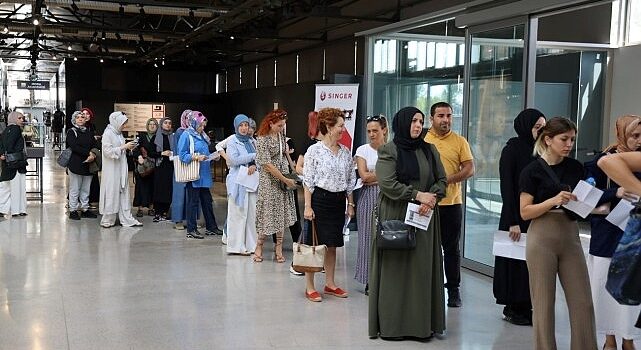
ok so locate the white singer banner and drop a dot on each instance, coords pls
(343, 97)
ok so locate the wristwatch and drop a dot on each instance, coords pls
(351, 205)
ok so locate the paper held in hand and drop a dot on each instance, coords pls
(620, 215)
(250, 182)
(587, 197)
(506, 247)
(413, 218)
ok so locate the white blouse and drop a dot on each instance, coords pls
(369, 154)
(329, 171)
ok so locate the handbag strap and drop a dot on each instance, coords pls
(192, 147)
(549, 171)
(312, 223)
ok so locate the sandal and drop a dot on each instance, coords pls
(257, 258)
(258, 252)
(313, 296)
(337, 292)
(279, 249)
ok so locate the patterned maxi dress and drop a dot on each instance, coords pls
(274, 207)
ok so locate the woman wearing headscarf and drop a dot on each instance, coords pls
(612, 319)
(13, 199)
(198, 193)
(406, 297)
(511, 279)
(178, 194)
(94, 191)
(114, 192)
(81, 141)
(145, 168)
(163, 149)
(241, 203)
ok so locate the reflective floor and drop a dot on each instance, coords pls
(73, 285)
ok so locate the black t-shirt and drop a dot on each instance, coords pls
(535, 180)
(308, 143)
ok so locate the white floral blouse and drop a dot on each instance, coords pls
(329, 171)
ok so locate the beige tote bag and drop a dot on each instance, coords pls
(309, 258)
(187, 172)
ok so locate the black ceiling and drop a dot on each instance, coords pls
(216, 33)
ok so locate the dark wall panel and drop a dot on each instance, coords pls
(310, 65)
(286, 70)
(339, 58)
(233, 79)
(266, 73)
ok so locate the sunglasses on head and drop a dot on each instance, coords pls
(375, 118)
(282, 115)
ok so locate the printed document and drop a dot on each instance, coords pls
(413, 218)
(620, 215)
(506, 247)
(587, 197)
(250, 182)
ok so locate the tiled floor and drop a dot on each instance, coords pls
(74, 285)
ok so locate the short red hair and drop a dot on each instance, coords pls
(272, 117)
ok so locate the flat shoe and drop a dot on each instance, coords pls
(313, 296)
(337, 292)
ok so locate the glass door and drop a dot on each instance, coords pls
(496, 94)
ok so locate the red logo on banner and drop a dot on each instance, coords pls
(322, 95)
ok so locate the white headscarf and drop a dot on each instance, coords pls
(116, 119)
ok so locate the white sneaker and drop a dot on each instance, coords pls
(294, 272)
(224, 239)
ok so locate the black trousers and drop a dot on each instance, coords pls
(451, 220)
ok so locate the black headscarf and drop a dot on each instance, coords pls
(524, 122)
(407, 163)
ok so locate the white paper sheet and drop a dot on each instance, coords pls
(250, 182)
(587, 198)
(413, 218)
(506, 247)
(620, 215)
(214, 156)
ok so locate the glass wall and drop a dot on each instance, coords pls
(496, 93)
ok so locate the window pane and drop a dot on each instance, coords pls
(635, 22)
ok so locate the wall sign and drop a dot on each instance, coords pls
(139, 113)
(33, 84)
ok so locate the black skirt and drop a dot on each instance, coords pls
(329, 213)
(511, 282)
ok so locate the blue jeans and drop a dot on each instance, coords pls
(202, 196)
(178, 202)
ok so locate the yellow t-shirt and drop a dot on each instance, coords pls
(454, 150)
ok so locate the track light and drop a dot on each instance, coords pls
(104, 35)
(124, 61)
(231, 37)
(163, 62)
(102, 61)
(36, 21)
(5, 29)
(75, 58)
(54, 56)
(155, 65)
(69, 47)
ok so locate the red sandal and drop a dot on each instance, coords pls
(337, 292)
(313, 296)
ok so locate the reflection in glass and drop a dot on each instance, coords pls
(496, 97)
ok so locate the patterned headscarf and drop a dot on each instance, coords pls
(196, 119)
(75, 115)
(184, 119)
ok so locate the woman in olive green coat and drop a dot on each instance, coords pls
(406, 297)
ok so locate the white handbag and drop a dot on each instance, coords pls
(187, 172)
(309, 258)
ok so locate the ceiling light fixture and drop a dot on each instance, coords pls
(74, 7)
(142, 10)
(5, 29)
(69, 47)
(102, 61)
(163, 62)
(36, 21)
(155, 65)
(75, 58)
(231, 37)
(124, 61)
(118, 36)
(104, 35)
(191, 13)
(95, 34)
(121, 10)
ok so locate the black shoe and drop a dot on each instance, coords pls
(73, 215)
(195, 235)
(517, 319)
(88, 214)
(23, 214)
(217, 231)
(367, 289)
(453, 297)
(156, 218)
(209, 233)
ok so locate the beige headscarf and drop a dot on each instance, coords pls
(625, 125)
(12, 118)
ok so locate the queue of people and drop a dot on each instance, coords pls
(424, 166)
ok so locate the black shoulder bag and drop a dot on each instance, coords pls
(396, 234)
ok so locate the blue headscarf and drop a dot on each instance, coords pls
(245, 139)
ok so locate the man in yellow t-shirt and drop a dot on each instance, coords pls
(459, 166)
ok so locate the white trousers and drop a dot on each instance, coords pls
(124, 215)
(13, 195)
(611, 317)
(79, 187)
(241, 225)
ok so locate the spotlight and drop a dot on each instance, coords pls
(5, 29)
(102, 61)
(155, 65)
(163, 62)
(231, 37)
(74, 7)
(124, 61)
(54, 56)
(36, 21)
(104, 35)
(75, 58)
(69, 47)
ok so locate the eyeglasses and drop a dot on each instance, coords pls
(282, 115)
